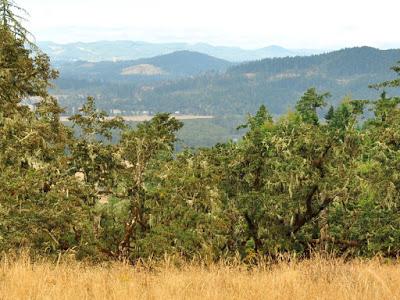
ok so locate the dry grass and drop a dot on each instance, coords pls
(314, 279)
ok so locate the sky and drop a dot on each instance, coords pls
(311, 24)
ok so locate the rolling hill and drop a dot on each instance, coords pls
(277, 83)
(183, 81)
(169, 66)
(228, 95)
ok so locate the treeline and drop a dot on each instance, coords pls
(345, 62)
(294, 184)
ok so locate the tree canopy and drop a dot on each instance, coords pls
(297, 183)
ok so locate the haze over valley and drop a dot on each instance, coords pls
(131, 50)
(194, 83)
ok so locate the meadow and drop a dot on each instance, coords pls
(317, 278)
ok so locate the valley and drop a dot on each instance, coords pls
(196, 84)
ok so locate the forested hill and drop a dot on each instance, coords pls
(277, 82)
(345, 62)
(177, 64)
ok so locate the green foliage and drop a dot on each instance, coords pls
(93, 123)
(291, 184)
(90, 156)
(41, 205)
(308, 104)
(11, 21)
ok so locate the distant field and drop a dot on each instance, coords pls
(142, 118)
(314, 279)
(198, 131)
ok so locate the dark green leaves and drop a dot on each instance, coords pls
(309, 103)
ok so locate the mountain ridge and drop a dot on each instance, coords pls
(132, 50)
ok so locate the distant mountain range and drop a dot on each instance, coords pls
(130, 50)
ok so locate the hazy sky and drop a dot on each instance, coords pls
(247, 23)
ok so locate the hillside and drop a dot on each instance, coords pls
(177, 64)
(229, 95)
(345, 62)
(278, 83)
(183, 81)
(131, 50)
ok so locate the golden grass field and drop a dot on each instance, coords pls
(313, 279)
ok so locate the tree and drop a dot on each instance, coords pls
(141, 149)
(90, 152)
(42, 206)
(308, 104)
(11, 21)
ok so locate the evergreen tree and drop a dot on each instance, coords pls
(308, 104)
